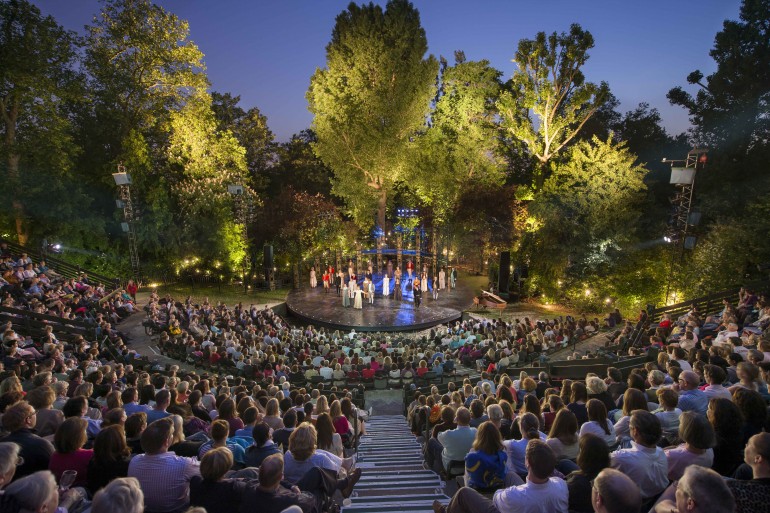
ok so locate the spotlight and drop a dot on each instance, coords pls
(666, 239)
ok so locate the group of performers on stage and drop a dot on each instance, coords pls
(393, 282)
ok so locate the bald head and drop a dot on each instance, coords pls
(614, 492)
(271, 471)
(690, 378)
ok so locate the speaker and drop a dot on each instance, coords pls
(505, 272)
(267, 261)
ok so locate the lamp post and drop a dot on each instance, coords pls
(123, 181)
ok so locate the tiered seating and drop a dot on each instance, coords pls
(393, 477)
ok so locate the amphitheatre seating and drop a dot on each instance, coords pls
(393, 478)
(34, 324)
(705, 304)
(62, 267)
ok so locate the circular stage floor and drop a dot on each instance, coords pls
(316, 307)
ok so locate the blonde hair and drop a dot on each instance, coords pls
(303, 441)
(322, 405)
(336, 409)
(216, 463)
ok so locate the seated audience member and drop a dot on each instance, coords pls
(273, 496)
(698, 438)
(598, 424)
(485, 463)
(452, 444)
(211, 490)
(645, 463)
(163, 476)
(263, 446)
(48, 418)
(754, 495)
(19, 419)
(516, 449)
(614, 492)
(38, 493)
(218, 432)
(70, 455)
(699, 490)
(9, 460)
(594, 456)
(328, 439)
(563, 437)
(111, 457)
(725, 418)
(668, 414)
(281, 436)
(691, 397)
(715, 377)
(303, 455)
(541, 492)
(122, 495)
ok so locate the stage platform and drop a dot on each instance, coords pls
(319, 308)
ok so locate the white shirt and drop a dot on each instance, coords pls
(647, 467)
(717, 391)
(549, 497)
(595, 428)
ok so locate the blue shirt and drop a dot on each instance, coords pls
(485, 470)
(693, 400)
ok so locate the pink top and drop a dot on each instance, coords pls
(679, 458)
(77, 460)
(341, 425)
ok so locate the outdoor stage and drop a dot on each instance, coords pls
(316, 307)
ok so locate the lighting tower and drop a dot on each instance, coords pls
(682, 214)
(123, 181)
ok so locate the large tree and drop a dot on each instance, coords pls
(38, 86)
(549, 101)
(151, 110)
(731, 110)
(461, 145)
(370, 100)
(251, 130)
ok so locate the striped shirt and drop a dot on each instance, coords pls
(164, 479)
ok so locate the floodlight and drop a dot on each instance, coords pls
(122, 178)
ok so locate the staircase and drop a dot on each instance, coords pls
(393, 478)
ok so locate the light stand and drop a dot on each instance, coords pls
(123, 181)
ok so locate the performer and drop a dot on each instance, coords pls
(371, 292)
(358, 303)
(345, 296)
(313, 279)
(338, 279)
(350, 267)
(435, 288)
(442, 278)
(326, 281)
(424, 281)
(352, 289)
(397, 287)
(453, 278)
(385, 286)
(409, 268)
(417, 293)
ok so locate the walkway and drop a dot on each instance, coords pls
(393, 478)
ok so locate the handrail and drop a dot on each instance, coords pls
(63, 267)
(704, 303)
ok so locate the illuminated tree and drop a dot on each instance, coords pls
(370, 100)
(549, 101)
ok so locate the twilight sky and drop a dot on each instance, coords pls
(266, 51)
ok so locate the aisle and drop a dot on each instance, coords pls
(392, 477)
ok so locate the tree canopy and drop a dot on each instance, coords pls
(369, 102)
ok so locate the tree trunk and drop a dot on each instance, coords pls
(13, 173)
(382, 203)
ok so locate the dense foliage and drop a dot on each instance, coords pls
(543, 164)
